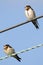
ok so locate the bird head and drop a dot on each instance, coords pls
(27, 7)
(6, 46)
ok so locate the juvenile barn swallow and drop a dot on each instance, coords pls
(9, 50)
(30, 14)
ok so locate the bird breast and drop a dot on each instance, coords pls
(9, 51)
(30, 14)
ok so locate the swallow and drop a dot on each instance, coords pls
(30, 14)
(9, 50)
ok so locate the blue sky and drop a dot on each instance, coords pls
(26, 36)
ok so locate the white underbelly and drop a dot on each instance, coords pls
(30, 15)
(9, 51)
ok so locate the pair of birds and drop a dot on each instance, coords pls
(30, 14)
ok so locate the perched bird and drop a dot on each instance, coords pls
(9, 50)
(30, 14)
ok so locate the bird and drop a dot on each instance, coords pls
(30, 14)
(9, 50)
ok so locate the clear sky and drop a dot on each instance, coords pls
(26, 36)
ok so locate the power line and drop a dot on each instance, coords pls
(20, 24)
(22, 51)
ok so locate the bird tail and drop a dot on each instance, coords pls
(17, 57)
(36, 24)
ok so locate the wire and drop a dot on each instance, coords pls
(22, 51)
(20, 24)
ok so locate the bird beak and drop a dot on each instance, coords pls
(5, 47)
(26, 8)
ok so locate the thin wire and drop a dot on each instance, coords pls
(22, 51)
(20, 24)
